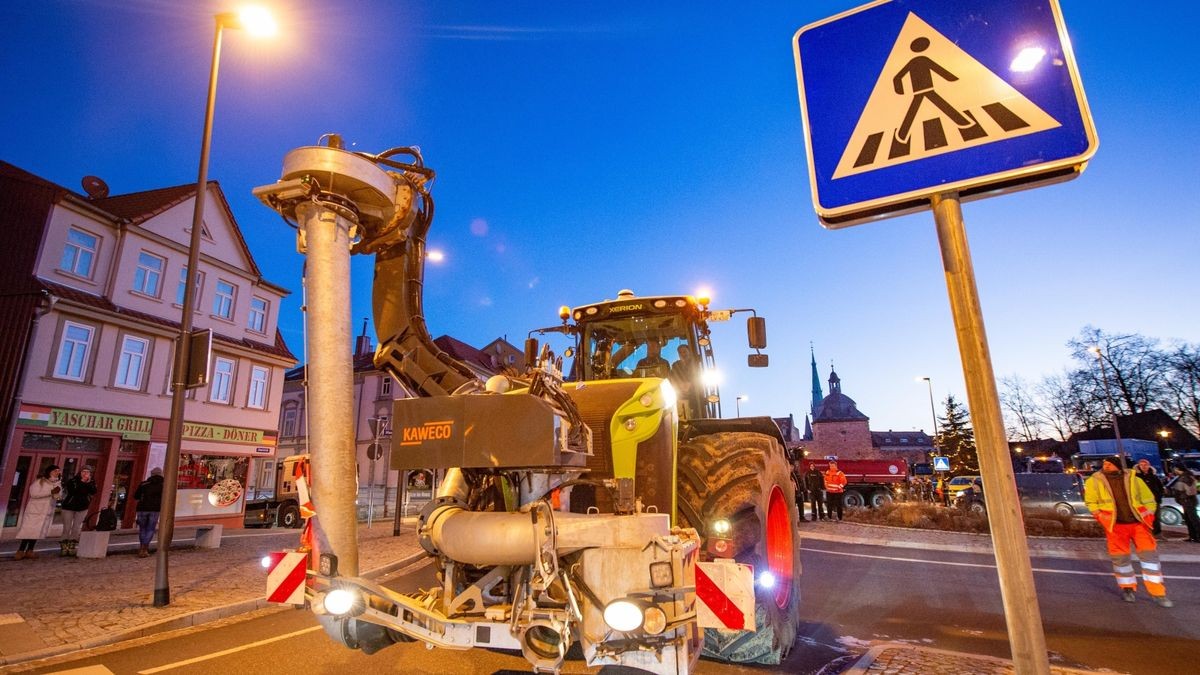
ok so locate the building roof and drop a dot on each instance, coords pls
(836, 407)
(889, 438)
(465, 352)
(1144, 425)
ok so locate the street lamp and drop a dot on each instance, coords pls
(737, 403)
(1112, 409)
(932, 410)
(256, 21)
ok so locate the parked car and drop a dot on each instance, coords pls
(1060, 492)
(960, 483)
(1171, 512)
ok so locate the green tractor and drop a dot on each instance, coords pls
(730, 479)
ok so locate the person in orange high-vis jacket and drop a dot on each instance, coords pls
(835, 487)
(1124, 505)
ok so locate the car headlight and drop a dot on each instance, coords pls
(340, 601)
(623, 615)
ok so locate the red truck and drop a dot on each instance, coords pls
(869, 482)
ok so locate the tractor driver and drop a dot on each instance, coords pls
(653, 364)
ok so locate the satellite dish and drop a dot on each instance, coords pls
(94, 187)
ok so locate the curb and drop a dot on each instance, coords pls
(981, 546)
(195, 618)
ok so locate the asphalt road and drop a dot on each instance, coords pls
(853, 595)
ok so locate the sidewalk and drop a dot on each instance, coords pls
(54, 605)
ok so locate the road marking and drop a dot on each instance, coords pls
(964, 564)
(86, 670)
(234, 650)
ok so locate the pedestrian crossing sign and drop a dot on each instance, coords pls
(904, 99)
(941, 463)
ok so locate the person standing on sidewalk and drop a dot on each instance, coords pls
(149, 503)
(38, 513)
(1184, 490)
(80, 489)
(1152, 481)
(815, 484)
(1124, 506)
(835, 487)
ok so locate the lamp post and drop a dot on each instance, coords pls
(1112, 409)
(737, 403)
(932, 410)
(258, 22)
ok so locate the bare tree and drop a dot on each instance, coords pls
(1182, 385)
(1069, 403)
(1136, 369)
(1023, 417)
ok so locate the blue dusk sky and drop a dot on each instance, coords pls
(582, 148)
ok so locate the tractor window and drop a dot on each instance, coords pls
(635, 346)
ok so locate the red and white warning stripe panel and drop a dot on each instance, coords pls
(725, 594)
(286, 571)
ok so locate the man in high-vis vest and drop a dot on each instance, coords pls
(835, 486)
(1124, 505)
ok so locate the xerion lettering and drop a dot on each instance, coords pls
(625, 308)
(429, 431)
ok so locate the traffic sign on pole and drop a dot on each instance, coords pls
(904, 99)
(941, 463)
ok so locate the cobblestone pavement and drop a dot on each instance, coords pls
(52, 605)
(904, 659)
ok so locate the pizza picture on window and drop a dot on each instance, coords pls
(225, 492)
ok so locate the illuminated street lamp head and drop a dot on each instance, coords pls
(921, 378)
(253, 19)
(1164, 433)
(435, 256)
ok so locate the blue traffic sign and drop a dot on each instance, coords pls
(904, 99)
(941, 463)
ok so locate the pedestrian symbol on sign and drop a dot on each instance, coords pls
(941, 463)
(932, 97)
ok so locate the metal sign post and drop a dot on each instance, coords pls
(1021, 611)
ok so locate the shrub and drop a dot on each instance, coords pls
(926, 516)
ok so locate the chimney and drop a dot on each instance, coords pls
(362, 344)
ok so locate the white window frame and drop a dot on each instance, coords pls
(288, 426)
(222, 302)
(69, 348)
(258, 387)
(181, 285)
(221, 390)
(385, 386)
(151, 278)
(257, 321)
(73, 254)
(125, 361)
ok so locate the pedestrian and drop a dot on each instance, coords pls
(814, 483)
(39, 511)
(79, 490)
(835, 486)
(1152, 481)
(1124, 506)
(149, 503)
(940, 492)
(1184, 490)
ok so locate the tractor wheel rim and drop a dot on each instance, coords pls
(780, 549)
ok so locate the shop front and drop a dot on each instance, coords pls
(109, 444)
(216, 464)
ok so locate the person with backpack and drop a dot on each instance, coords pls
(79, 489)
(1184, 490)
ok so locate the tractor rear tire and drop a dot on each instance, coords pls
(745, 478)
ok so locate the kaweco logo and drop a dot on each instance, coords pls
(429, 431)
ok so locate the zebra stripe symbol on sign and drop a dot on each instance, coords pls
(725, 594)
(286, 575)
(931, 98)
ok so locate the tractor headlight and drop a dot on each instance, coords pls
(721, 527)
(655, 621)
(668, 394)
(266, 562)
(623, 615)
(766, 580)
(340, 601)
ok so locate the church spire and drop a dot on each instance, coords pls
(817, 396)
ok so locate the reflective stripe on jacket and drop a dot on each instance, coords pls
(835, 481)
(1099, 499)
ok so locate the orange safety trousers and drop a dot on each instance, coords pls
(1137, 536)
